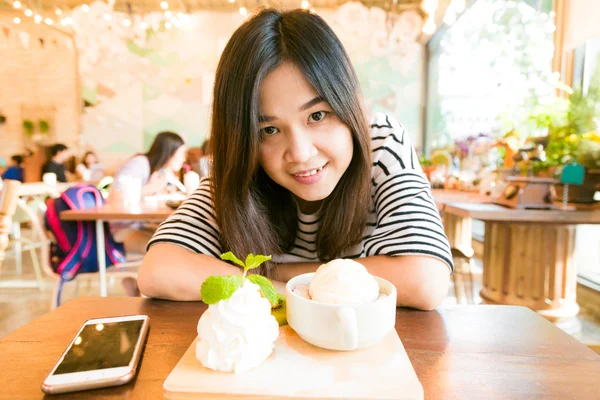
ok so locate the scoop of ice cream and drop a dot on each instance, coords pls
(239, 333)
(302, 291)
(343, 281)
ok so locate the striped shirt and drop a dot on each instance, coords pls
(404, 219)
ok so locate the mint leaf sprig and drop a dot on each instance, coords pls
(217, 288)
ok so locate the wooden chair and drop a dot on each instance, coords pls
(128, 269)
(9, 194)
(462, 278)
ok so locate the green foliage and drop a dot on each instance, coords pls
(28, 127)
(44, 126)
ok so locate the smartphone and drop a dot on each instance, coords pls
(105, 352)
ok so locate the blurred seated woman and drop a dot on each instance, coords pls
(144, 175)
(83, 171)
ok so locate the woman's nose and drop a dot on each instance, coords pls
(300, 146)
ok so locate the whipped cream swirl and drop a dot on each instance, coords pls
(239, 333)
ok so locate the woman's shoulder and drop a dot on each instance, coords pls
(384, 126)
(136, 165)
(391, 146)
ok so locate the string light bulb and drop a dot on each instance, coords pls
(17, 4)
(168, 25)
(305, 5)
(17, 20)
(168, 14)
(48, 21)
(107, 16)
(66, 21)
(429, 27)
(28, 12)
(243, 11)
(37, 19)
(164, 5)
(126, 22)
(459, 5)
(85, 8)
(232, 1)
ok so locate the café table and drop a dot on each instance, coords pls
(143, 212)
(528, 256)
(464, 352)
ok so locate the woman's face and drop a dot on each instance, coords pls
(90, 159)
(177, 159)
(305, 147)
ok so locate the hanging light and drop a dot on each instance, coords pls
(28, 12)
(232, 1)
(48, 21)
(85, 8)
(126, 22)
(66, 21)
(243, 11)
(17, 20)
(304, 4)
(164, 5)
(58, 11)
(37, 19)
(107, 16)
(17, 4)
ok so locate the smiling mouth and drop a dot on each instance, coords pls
(309, 172)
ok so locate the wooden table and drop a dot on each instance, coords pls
(443, 197)
(469, 352)
(528, 255)
(142, 212)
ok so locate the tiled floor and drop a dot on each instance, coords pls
(18, 306)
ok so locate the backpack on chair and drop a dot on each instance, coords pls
(75, 250)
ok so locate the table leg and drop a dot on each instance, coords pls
(531, 265)
(458, 229)
(101, 256)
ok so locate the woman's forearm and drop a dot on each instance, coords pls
(172, 272)
(421, 282)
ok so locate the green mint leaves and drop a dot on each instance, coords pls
(266, 287)
(217, 288)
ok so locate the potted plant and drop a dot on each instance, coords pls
(44, 126)
(28, 127)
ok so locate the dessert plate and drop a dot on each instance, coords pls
(299, 370)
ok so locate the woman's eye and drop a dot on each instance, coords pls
(269, 131)
(317, 116)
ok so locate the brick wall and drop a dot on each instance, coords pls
(36, 83)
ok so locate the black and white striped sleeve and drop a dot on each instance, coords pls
(408, 221)
(193, 225)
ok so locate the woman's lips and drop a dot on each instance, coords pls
(310, 176)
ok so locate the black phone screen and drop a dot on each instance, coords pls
(101, 346)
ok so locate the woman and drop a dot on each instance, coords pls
(298, 175)
(83, 171)
(152, 172)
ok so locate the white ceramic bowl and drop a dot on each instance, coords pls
(339, 326)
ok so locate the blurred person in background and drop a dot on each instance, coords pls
(15, 171)
(84, 169)
(59, 154)
(154, 170)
